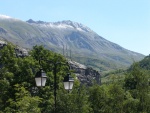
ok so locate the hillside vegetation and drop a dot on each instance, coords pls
(19, 93)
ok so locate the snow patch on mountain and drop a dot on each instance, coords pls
(61, 25)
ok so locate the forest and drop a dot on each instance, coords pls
(19, 94)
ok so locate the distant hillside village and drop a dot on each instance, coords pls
(85, 74)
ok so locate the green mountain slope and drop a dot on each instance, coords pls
(86, 46)
(144, 64)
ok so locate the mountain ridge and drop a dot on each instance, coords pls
(61, 24)
(86, 46)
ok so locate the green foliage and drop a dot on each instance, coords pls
(130, 105)
(145, 63)
(18, 93)
(23, 102)
(98, 98)
(106, 98)
(116, 98)
(75, 101)
(137, 83)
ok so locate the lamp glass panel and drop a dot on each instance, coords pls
(38, 81)
(43, 81)
(68, 85)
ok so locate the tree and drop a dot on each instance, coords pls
(14, 71)
(98, 98)
(116, 98)
(137, 83)
(75, 101)
(130, 104)
(23, 102)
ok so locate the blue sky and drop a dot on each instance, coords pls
(125, 22)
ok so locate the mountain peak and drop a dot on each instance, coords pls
(31, 21)
(76, 25)
(35, 22)
(61, 24)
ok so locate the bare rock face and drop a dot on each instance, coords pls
(85, 75)
(2, 44)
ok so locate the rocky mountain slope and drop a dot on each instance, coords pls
(86, 46)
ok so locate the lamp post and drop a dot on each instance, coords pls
(41, 77)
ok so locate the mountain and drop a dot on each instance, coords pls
(67, 37)
(143, 64)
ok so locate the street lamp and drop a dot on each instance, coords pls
(68, 82)
(41, 77)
